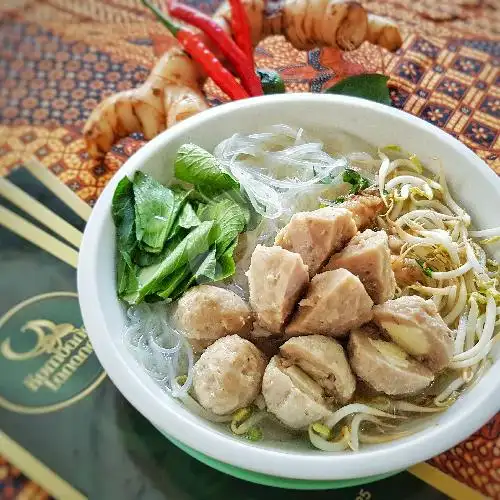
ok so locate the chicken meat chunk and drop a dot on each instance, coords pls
(292, 396)
(364, 207)
(316, 235)
(416, 326)
(276, 279)
(384, 366)
(206, 313)
(228, 375)
(367, 256)
(335, 302)
(324, 360)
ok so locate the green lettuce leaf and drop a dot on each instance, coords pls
(173, 281)
(225, 263)
(187, 220)
(122, 210)
(144, 258)
(123, 213)
(200, 168)
(231, 219)
(156, 209)
(204, 273)
(188, 217)
(195, 243)
(126, 280)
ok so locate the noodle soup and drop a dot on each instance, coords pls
(302, 290)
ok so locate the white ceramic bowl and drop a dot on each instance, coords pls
(472, 182)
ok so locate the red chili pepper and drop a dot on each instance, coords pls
(244, 67)
(195, 47)
(240, 26)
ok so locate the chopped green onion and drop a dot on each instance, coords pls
(357, 181)
(254, 434)
(425, 268)
(322, 430)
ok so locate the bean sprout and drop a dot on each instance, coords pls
(324, 445)
(343, 412)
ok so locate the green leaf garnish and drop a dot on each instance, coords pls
(188, 217)
(156, 208)
(195, 243)
(231, 219)
(371, 86)
(200, 168)
(271, 81)
(123, 213)
(356, 180)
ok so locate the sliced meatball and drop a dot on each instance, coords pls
(416, 326)
(276, 279)
(364, 207)
(316, 235)
(324, 360)
(367, 256)
(228, 375)
(384, 366)
(206, 313)
(292, 396)
(406, 271)
(336, 302)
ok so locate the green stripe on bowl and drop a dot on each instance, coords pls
(277, 482)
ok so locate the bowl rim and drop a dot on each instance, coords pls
(323, 466)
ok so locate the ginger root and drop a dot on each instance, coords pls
(172, 92)
(383, 32)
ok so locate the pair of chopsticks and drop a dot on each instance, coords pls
(67, 252)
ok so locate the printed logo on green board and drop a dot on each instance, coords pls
(46, 359)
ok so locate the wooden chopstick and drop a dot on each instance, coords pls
(40, 212)
(50, 181)
(37, 236)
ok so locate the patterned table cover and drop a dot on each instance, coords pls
(59, 58)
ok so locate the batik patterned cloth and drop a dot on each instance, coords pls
(59, 58)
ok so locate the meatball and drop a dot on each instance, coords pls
(276, 279)
(316, 235)
(335, 302)
(384, 366)
(228, 375)
(324, 360)
(416, 326)
(206, 313)
(292, 396)
(367, 256)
